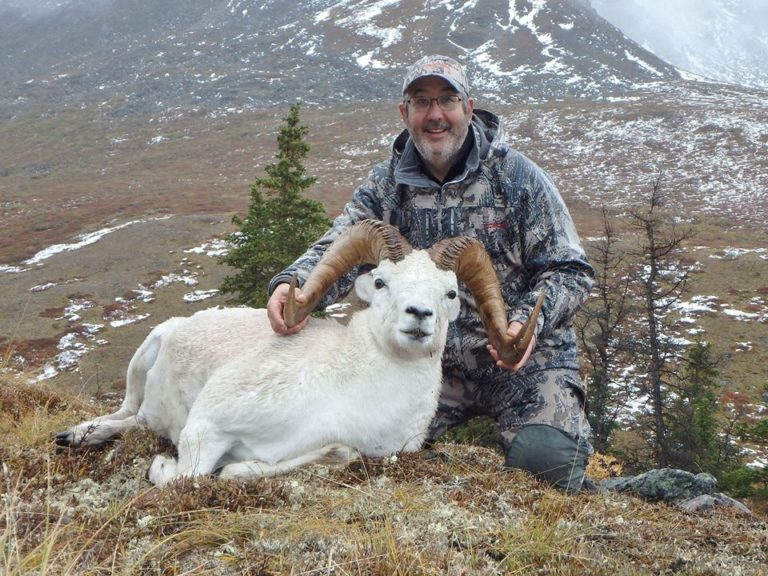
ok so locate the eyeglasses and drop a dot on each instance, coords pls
(446, 102)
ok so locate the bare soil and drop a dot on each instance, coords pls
(33, 320)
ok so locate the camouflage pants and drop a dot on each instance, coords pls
(554, 397)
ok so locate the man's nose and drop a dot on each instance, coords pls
(434, 110)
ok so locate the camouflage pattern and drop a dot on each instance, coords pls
(441, 66)
(552, 397)
(512, 207)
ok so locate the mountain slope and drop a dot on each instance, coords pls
(138, 56)
(119, 109)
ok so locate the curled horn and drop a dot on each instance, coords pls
(367, 242)
(469, 260)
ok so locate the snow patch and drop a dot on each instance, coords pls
(82, 241)
(199, 295)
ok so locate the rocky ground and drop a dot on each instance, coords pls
(449, 510)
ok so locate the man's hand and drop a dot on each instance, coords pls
(513, 330)
(275, 307)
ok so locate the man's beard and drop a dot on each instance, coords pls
(449, 150)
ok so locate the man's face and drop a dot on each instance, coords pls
(437, 134)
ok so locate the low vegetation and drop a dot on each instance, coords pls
(450, 510)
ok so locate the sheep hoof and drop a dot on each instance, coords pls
(162, 470)
(65, 439)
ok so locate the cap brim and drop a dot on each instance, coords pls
(450, 81)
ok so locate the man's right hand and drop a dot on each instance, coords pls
(275, 307)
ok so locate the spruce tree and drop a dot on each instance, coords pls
(660, 283)
(602, 327)
(281, 223)
(693, 425)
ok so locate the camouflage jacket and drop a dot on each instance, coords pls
(508, 203)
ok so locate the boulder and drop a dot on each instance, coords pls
(694, 493)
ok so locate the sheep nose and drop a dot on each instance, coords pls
(420, 313)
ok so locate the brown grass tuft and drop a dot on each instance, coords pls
(602, 466)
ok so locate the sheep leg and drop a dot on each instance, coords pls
(99, 430)
(331, 454)
(201, 446)
(162, 470)
(105, 428)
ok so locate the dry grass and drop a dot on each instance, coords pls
(447, 511)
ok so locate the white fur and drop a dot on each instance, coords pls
(234, 396)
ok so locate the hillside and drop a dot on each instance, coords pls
(172, 58)
(117, 110)
(75, 171)
(449, 510)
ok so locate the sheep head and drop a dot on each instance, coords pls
(382, 245)
(413, 301)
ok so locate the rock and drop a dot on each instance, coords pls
(667, 484)
(694, 493)
(711, 502)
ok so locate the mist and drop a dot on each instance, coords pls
(36, 8)
(719, 39)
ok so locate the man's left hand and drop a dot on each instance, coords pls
(513, 330)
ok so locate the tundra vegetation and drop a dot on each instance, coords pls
(448, 510)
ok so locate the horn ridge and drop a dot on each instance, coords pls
(468, 258)
(446, 252)
(366, 242)
(393, 245)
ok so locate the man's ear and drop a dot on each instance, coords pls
(470, 107)
(404, 111)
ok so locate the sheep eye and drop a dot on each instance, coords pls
(378, 283)
(451, 294)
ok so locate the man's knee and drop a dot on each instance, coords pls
(550, 454)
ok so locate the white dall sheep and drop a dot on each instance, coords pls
(235, 397)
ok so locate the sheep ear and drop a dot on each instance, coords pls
(364, 287)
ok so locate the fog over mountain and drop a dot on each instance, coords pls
(724, 40)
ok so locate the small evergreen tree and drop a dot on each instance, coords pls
(694, 428)
(281, 223)
(660, 283)
(750, 434)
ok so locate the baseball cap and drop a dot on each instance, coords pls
(442, 67)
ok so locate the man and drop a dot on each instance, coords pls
(451, 173)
